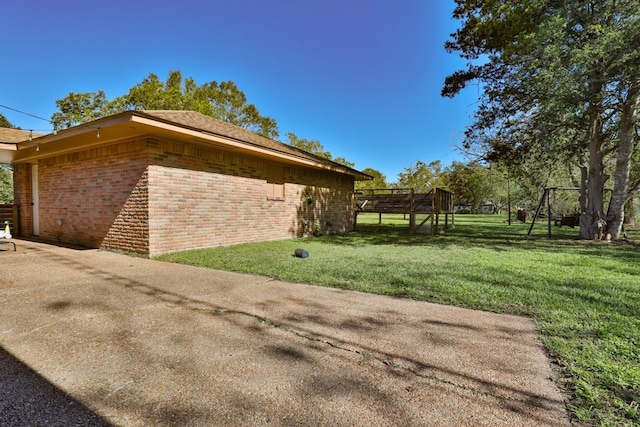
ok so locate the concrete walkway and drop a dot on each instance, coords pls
(96, 338)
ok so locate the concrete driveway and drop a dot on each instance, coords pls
(96, 338)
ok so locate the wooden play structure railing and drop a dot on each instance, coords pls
(432, 203)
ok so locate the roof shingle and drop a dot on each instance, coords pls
(198, 121)
(15, 135)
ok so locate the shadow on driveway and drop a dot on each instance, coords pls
(151, 343)
(28, 399)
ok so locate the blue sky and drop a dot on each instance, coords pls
(361, 76)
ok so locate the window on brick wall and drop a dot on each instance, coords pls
(275, 183)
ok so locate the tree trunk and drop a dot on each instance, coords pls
(592, 221)
(620, 194)
(629, 212)
(585, 220)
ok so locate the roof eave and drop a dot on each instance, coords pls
(215, 138)
(31, 150)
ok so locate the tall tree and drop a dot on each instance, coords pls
(6, 172)
(314, 146)
(78, 108)
(473, 184)
(379, 181)
(6, 184)
(344, 162)
(5, 123)
(561, 79)
(223, 101)
(421, 176)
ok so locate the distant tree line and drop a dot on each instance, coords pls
(221, 100)
(224, 101)
(475, 183)
(479, 184)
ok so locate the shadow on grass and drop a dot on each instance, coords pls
(492, 235)
(472, 229)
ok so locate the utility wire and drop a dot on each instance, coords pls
(28, 114)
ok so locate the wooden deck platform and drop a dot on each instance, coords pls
(432, 203)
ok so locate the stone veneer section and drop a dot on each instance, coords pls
(148, 196)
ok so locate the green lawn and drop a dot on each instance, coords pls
(584, 296)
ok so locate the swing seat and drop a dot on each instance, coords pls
(568, 220)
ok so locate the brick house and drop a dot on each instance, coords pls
(152, 182)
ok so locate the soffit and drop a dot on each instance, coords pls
(162, 125)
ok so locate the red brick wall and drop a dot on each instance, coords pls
(325, 201)
(129, 232)
(150, 196)
(204, 198)
(22, 197)
(84, 196)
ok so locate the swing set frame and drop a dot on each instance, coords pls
(546, 195)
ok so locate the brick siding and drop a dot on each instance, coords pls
(82, 194)
(151, 196)
(204, 198)
(22, 197)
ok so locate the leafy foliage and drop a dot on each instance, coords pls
(5, 123)
(379, 181)
(6, 172)
(421, 176)
(224, 101)
(560, 84)
(6, 184)
(344, 162)
(474, 184)
(314, 146)
(78, 108)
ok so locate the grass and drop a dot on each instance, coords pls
(584, 296)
